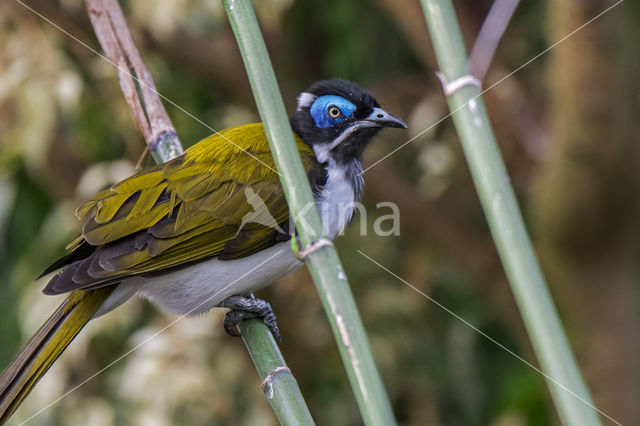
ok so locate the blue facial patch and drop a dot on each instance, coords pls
(320, 110)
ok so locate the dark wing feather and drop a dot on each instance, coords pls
(192, 208)
(80, 252)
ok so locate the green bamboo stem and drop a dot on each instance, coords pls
(279, 385)
(564, 380)
(153, 121)
(323, 264)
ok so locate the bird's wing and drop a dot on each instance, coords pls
(221, 198)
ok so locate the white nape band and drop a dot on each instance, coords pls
(451, 87)
(305, 100)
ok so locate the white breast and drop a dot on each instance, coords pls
(202, 286)
(337, 200)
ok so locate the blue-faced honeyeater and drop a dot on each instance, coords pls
(205, 229)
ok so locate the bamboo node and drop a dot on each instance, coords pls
(316, 245)
(451, 87)
(271, 375)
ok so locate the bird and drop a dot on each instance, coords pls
(205, 229)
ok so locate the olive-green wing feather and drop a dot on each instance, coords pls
(221, 198)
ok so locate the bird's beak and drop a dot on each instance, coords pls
(381, 118)
(378, 118)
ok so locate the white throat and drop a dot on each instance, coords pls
(339, 196)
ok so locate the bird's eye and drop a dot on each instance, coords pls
(334, 111)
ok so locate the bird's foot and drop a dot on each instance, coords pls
(241, 308)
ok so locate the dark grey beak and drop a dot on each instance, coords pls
(378, 118)
(382, 118)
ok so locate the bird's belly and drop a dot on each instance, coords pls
(198, 288)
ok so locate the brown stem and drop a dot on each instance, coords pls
(135, 79)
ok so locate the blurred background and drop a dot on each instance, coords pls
(567, 124)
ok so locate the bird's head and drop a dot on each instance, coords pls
(338, 119)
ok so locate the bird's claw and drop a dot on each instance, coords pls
(241, 308)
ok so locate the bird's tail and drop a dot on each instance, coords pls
(46, 345)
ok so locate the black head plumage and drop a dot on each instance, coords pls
(339, 119)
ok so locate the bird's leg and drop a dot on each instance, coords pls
(241, 307)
